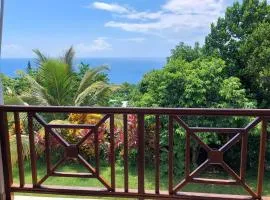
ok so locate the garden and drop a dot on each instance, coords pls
(231, 70)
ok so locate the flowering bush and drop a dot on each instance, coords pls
(87, 148)
(40, 138)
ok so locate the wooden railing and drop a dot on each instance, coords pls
(173, 116)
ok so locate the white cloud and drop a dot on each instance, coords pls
(135, 39)
(125, 12)
(143, 15)
(110, 7)
(173, 16)
(173, 22)
(205, 7)
(133, 27)
(98, 45)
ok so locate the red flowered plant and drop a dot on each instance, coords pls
(88, 147)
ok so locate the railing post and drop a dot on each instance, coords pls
(2, 187)
(4, 139)
(141, 163)
(170, 161)
(261, 167)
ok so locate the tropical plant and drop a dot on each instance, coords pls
(88, 147)
(67, 58)
(56, 83)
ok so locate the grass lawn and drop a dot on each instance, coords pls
(149, 179)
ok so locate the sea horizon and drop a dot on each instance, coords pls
(122, 69)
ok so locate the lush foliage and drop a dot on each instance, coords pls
(186, 52)
(231, 70)
(256, 54)
(232, 34)
(200, 83)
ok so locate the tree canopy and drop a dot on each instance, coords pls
(232, 38)
(200, 83)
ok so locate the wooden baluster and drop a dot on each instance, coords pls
(157, 155)
(125, 121)
(19, 148)
(6, 156)
(187, 154)
(243, 163)
(48, 150)
(261, 167)
(96, 150)
(170, 171)
(112, 152)
(33, 156)
(141, 160)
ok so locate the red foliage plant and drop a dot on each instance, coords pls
(75, 135)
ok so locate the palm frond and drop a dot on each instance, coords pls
(13, 100)
(92, 94)
(90, 76)
(41, 58)
(115, 87)
(52, 85)
(34, 99)
(37, 95)
(68, 58)
(55, 76)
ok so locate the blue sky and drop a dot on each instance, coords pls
(118, 28)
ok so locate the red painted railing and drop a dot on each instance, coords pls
(174, 116)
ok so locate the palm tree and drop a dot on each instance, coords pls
(55, 82)
(51, 86)
(67, 58)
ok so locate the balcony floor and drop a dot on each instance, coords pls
(17, 197)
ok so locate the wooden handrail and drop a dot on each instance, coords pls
(130, 110)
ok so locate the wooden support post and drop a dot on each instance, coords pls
(261, 167)
(2, 187)
(5, 150)
(170, 161)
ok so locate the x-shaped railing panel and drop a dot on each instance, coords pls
(215, 157)
(72, 150)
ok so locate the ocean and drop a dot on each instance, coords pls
(121, 69)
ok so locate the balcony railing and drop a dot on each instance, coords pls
(173, 117)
